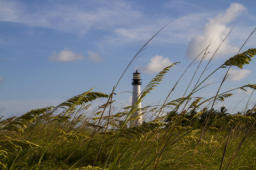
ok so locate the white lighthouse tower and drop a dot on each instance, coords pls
(137, 116)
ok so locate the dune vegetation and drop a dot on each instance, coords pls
(184, 133)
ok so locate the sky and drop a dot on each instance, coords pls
(52, 50)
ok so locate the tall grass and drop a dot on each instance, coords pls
(183, 133)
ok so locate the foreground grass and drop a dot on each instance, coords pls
(59, 144)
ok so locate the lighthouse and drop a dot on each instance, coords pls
(137, 116)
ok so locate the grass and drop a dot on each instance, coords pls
(49, 144)
(185, 133)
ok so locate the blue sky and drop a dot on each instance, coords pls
(52, 50)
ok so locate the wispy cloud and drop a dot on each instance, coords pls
(246, 91)
(181, 5)
(236, 75)
(66, 56)
(75, 18)
(95, 57)
(1, 79)
(119, 18)
(122, 22)
(215, 31)
(176, 33)
(70, 56)
(156, 64)
(19, 106)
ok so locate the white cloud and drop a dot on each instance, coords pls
(94, 57)
(1, 79)
(236, 75)
(214, 32)
(156, 64)
(66, 56)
